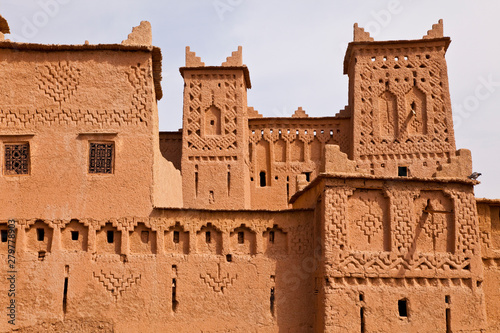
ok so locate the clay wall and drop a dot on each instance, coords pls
(214, 147)
(171, 147)
(401, 106)
(280, 149)
(58, 102)
(253, 273)
(489, 223)
(406, 252)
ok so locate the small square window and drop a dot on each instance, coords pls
(403, 171)
(403, 308)
(74, 235)
(17, 159)
(4, 235)
(101, 157)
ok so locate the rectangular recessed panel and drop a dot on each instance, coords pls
(16, 159)
(101, 157)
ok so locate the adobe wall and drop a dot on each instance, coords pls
(162, 274)
(384, 242)
(58, 100)
(280, 149)
(489, 223)
(399, 95)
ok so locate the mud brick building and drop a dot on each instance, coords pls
(365, 221)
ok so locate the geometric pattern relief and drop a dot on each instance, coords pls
(466, 216)
(394, 116)
(116, 285)
(199, 136)
(61, 116)
(58, 81)
(218, 282)
(384, 263)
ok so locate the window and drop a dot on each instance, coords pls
(145, 236)
(176, 237)
(101, 157)
(402, 171)
(208, 237)
(241, 237)
(4, 236)
(262, 176)
(308, 176)
(40, 234)
(403, 308)
(74, 235)
(271, 237)
(110, 235)
(17, 159)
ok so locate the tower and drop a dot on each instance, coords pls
(400, 102)
(214, 138)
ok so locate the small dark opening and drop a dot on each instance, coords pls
(447, 299)
(145, 236)
(41, 255)
(229, 257)
(65, 294)
(4, 235)
(110, 235)
(175, 303)
(241, 237)
(74, 235)
(40, 234)
(361, 297)
(271, 301)
(196, 183)
(208, 237)
(271, 236)
(308, 176)
(176, 237)
(448, 320)
(402, 171)
(262, 176)
(362, 317)
(212, 122)
(403, 308)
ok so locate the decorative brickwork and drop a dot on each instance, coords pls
(59, 81)
(117, 284)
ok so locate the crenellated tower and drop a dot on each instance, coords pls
(215, 140)
(400, 102)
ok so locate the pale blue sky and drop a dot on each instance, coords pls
(294, 50)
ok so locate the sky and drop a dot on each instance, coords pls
(294, 50)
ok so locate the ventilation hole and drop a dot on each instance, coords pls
(229, 257)
(271, 301)
(262, 176)
(4, 235)
(241, 237)
(402, 171)
(208, 237)
(65, 294)
(175, 303)
(110, 236)
(271, 237)
(403, 308)
(41, 255)
(74, 235)
(176, 237)
(40, 234)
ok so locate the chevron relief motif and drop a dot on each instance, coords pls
(220, 282)
(115, 284)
